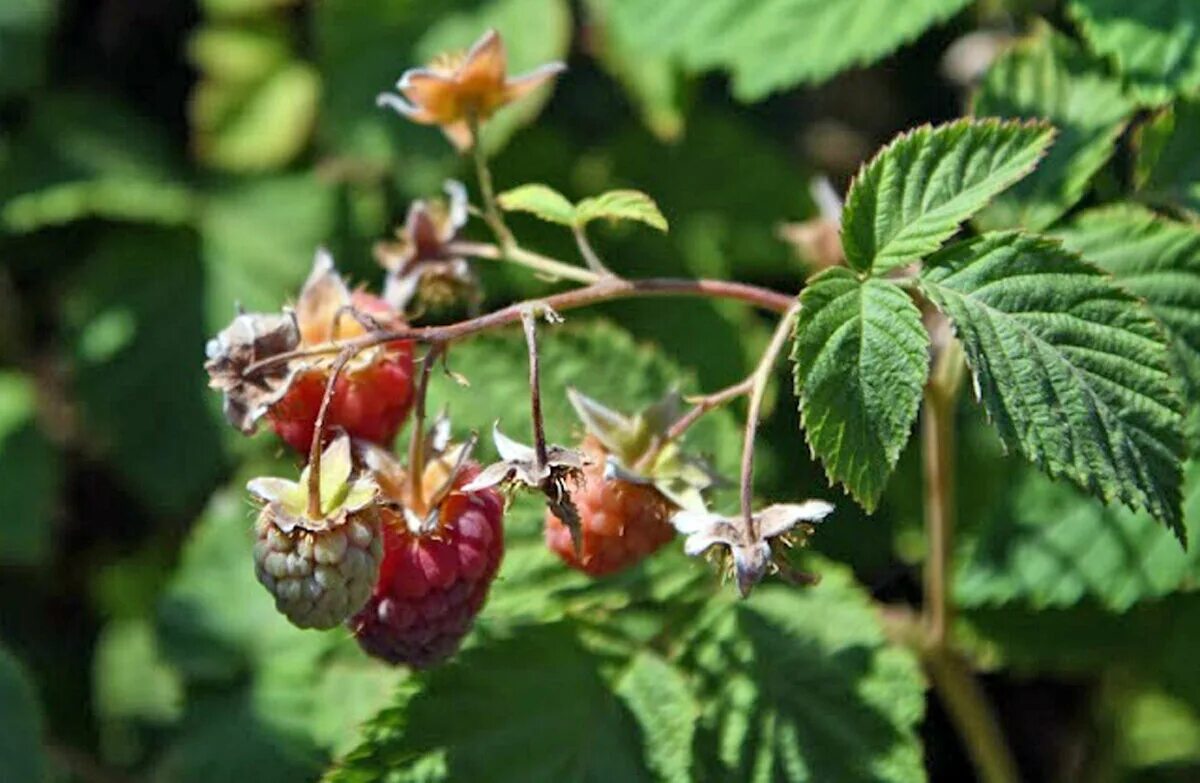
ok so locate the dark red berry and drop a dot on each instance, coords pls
(432, 586)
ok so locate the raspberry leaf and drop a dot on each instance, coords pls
(1152, 43)
(621, 205)
(30, 477)
(771, 46)
(1157, 260)
(1073, 371)
(801, 685)
(462, 722)
(1168, 168)
(915, 193)
(860, 358)
(1048, 76)
(1050, 545)
(540, 200)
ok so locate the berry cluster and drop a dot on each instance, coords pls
(404, 553)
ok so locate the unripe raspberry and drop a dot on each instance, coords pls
(318, 578)
(319, 560)
(620, 522)
(432, 584)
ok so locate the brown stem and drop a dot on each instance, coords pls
(960, 693)
(604, 290)
(937, 434)
(705, 404)
(762, 374)
(314, 453)
(529, 322)
(968, 707)
(416, 442)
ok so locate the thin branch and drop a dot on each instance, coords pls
(604, 290)
(937, 438)
(318, 436)
(960, 693)
(588, 252)
(706, 403)
(416, 443)
(762, 375)
(529, 322)
(491, 212)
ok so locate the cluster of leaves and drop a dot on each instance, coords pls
(1076, 298)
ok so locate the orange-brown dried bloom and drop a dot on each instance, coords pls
(454, 89)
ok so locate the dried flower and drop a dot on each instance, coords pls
(751, 550)
(454, 90)
(519, 464)
(249, 339)
(420, 265)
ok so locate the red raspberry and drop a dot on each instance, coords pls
(622, 522)
(369, 402)
(432, 586)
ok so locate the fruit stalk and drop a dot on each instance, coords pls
(314, 455)
(759, 380)
(528, 321)
(416, 443)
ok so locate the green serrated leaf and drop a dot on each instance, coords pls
(800, 685)
(1155, 44)
(21, 754)
(770, 46)
(861, 357)
(660, 698)
(541, 200)
(1168, 165)
(1073, 371)
(621, 205)
(1050, 545)
(29, 475)
(1048, 76)
(916, 192)
(1157, 260)
(531, 707)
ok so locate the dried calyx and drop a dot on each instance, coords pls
(423, 271)
(751, 553)
(238, 358)
(418, 502)
(521, 467)
(639, 450)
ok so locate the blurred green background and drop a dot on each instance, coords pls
(162, 160)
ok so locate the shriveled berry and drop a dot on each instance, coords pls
(621, 521)
(431, 586)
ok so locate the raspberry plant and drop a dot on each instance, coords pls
(486, 534)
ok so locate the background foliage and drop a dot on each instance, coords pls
(160, 161)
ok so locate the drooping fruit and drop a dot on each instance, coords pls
(634, 481)
(321, 566)
(621, 522)
(438, 565)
